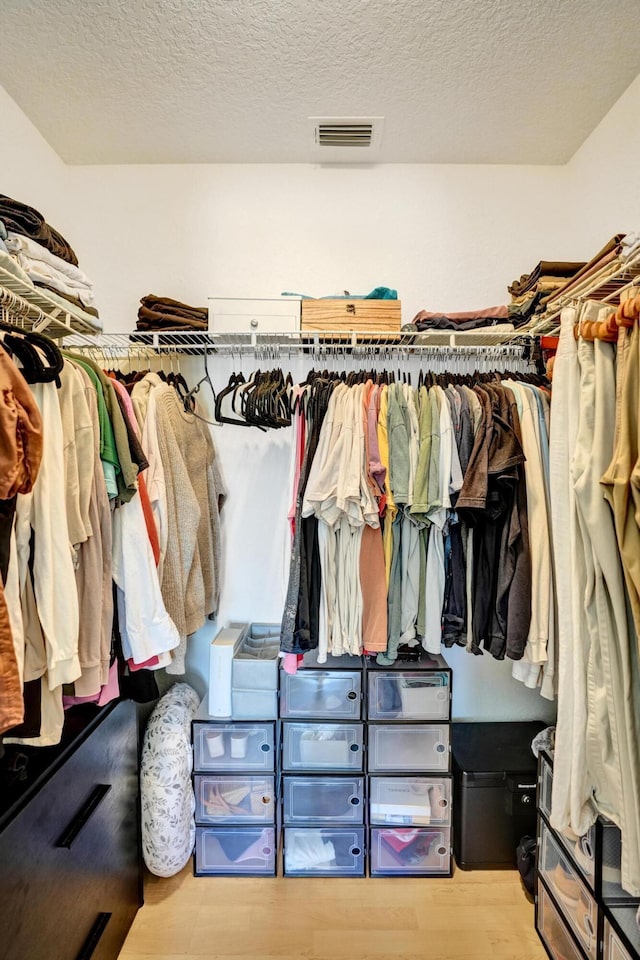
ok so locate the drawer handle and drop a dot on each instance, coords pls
(92, 941)
(254, 324)
(82, 817)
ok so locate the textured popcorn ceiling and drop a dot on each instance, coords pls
(176, 81)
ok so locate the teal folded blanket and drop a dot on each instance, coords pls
(378, 293)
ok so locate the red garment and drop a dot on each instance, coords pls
(373, 579)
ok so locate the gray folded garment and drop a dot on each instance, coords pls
(458, 326)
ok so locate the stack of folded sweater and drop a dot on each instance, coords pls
(605, 262)
(19, 218)
(630, 246)
(44, 256)
(162, 313)
(531, 293)
(495, 317)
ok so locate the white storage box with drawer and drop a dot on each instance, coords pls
(233, 315)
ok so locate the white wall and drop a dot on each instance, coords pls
(603, 173)
(31, 171)
(447, 237)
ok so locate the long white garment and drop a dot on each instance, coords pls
(320, 493)
(413, 434)
(410, 590)
(529, 669)
(327, 611)
(14, 608)
(154, 476)
(78, 453)
(44, 511)
(613, 698)
(435, 574)
(145, 626)
(571, 807)
(140, 395)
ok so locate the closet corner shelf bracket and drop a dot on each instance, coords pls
(31, 307)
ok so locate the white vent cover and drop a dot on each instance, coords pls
(346, 139)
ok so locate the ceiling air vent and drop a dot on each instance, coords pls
(334, 133)
(346, 139)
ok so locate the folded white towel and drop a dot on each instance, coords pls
(44, 267)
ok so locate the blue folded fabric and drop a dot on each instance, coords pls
(378, 293)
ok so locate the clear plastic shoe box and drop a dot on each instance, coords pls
(408, 748)
(322, 746)
(571, 894)
(410, 851)
(233, 747)
(404, 695)
(229, 799)
(323, 800)
(553, 931)
(324, 852)
(321, 694)
(410, 801)
(235, 851)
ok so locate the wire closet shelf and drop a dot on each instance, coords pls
(354, 349)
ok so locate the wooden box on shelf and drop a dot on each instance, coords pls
(334, 315)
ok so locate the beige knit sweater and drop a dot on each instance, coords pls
(191, 573)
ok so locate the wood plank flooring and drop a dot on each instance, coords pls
(478, 915)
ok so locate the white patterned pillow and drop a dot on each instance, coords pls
(168, 803)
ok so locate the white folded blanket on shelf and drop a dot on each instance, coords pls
(44, 267)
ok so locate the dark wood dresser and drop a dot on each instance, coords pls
(70, 865)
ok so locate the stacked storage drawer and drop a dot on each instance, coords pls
(323, 789)
(408, 751)
(582, 910)
(235, 789)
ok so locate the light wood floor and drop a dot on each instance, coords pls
(478, 915)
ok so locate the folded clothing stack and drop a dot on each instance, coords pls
(604, 263)
(162, 313)
(45, 269)
(468, 320)
(19, 218)
(630, 246)
(530, 294)
(37, 254)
